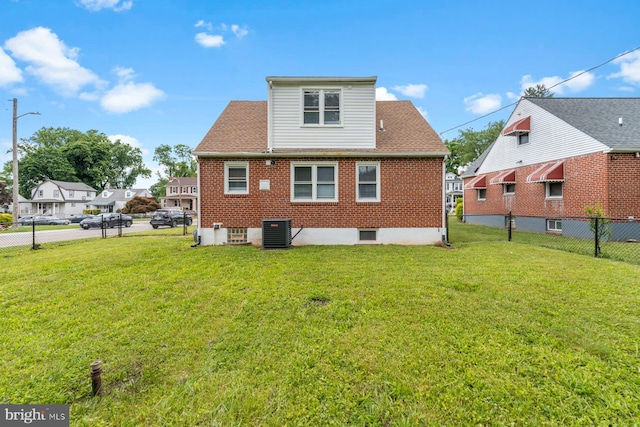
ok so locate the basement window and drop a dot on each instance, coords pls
(554, 225)
(368, 235)
(236, 236)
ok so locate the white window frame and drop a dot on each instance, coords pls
(314, 182)
(479, 191)
(71, 193)
(127, 194)
(56, 193)
(321, 107)
(547, 189)
(505, 189)
(227, 166)
(555, 225)
(368, 199)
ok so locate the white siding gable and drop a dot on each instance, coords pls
(356, 130)
(550, 139)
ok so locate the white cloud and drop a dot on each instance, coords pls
(423, 112)
(512, 96)
(51, 61)
(124, 74)
(129, 140)
(130, 96)
(411, 90)
(9, 73)
(383, 95)
(115, 5)
(208, 40)
(239, 31)
(576, 84)
(629, 68)
(482, 104)
(202, 24)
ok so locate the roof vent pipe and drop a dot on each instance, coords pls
(620, 121)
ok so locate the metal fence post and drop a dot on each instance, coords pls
(597, 241)
(510, 222)
(33, 234)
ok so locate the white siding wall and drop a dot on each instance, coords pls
(550, 139)
(358, 113)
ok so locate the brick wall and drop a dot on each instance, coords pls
(587, 181)
(624, 186)
(410, 190)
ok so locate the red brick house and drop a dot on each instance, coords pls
(554, 157)
(323, 154)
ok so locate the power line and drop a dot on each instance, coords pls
(549, 88)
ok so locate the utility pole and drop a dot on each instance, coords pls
(15, 203)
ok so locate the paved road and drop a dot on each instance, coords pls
(45, 236)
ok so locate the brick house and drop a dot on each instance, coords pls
(322, 153)
(182, 193)
(554, 157)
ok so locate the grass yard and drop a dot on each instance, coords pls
(482, 333)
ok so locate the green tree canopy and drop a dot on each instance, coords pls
(538, 91)
(65, 154)
(176, 161)
(469, 144)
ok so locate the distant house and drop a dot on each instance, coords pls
(60, 198)
(453, 189)
(114, 199)
(554, 157)
(323, 155)
(182, 193)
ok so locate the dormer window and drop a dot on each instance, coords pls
(127, 194)
(321, 107)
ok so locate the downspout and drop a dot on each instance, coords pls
(198, 230)
(445, 235)
(269, 117)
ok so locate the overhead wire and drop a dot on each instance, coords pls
(549, 88)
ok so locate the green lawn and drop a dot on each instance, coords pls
(482, 333)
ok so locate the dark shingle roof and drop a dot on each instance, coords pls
(242, 128)
(598, 118)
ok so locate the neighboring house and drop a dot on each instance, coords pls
(453, 189)
(63, 199)
(25, 207)
(113, 199)
(182, 193)
(555, 157)
(323, 154)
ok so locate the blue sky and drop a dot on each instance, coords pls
(156, 72)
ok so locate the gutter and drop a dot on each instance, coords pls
(259, 155)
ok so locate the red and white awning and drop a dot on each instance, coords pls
(516, 128)
(477, 183)
(549, 172)
(505, 177)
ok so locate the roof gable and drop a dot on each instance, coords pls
(242, 129)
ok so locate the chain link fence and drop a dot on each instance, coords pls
(15, 238)
(603, 237)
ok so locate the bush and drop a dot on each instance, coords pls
(459, 209)
(141, 205)
(6, 218)
(91, 211)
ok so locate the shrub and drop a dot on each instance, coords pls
(6, 218)
(91, 211)
(596, 214)
(459, 209)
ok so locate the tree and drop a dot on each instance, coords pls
(70, 155)
(5, 195)
(538, 91)
(469, 144)
(176, 161)
(141, 204)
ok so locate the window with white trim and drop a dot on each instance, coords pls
(236, 178)
(482, 193)
(523, 138)
(71, 193)
(554, 225)
(553, 190)
(321, 107)
(509, 189)
(314, 182)
(56, 193)
(368, 181)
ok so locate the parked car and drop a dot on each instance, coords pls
(170, 218)
(42, 220)
(106, 220)
(78, 218)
